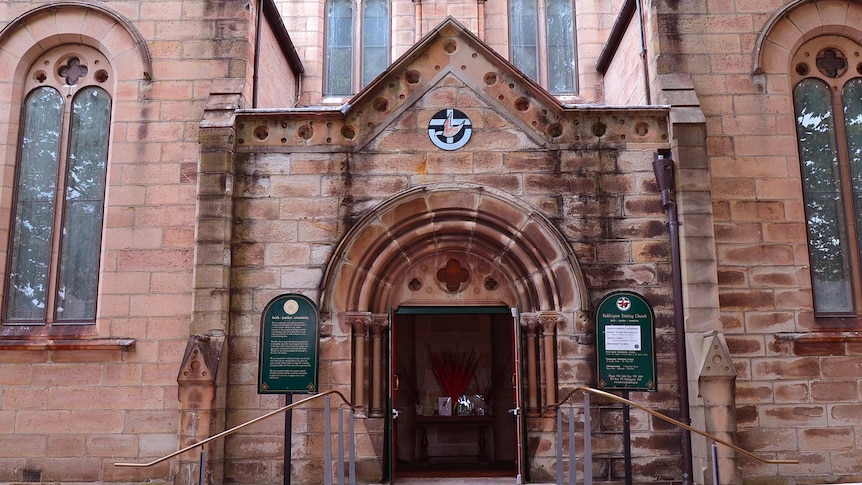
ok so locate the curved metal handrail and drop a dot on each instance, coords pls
(672, 421)
(238, 427)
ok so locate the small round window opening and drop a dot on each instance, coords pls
(831, 62)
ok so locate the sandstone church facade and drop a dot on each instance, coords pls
(439, 178)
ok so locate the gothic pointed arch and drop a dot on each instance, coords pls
(521, 243)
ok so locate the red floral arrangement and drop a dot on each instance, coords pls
(453, 370)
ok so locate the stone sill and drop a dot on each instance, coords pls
(122, 344)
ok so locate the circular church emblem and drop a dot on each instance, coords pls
(449, 129)
(291, 307)
(623, 303)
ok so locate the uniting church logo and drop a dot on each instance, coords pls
(623, 303)
(449, 129)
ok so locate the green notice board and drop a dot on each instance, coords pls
(289, 335)
(625, 343)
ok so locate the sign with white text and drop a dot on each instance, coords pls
(625, 343)
(289, 334)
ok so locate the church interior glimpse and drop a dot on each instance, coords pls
(454, 393)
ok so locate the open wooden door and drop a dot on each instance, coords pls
(517, 409)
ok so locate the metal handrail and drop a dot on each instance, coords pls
(238, 427)
(672, 421)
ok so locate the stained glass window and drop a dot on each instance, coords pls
(339, 48)
(35, 194)
(58, 207)
(561, 46)
(524, 35)
(342, 54)
(821, 177)
(827, 98)
(375, 39)
(78, 274)
(546, 55)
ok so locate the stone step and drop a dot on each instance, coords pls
(456, 481)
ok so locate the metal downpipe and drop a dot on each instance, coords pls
(664, 173)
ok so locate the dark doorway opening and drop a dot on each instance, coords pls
(439, 348)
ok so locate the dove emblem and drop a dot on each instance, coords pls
(449, 129)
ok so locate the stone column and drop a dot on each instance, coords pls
(549, 322)
(359, 322)
(530, 323)
(378, 371)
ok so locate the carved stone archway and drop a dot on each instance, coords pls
(450, 225)
(426, 220)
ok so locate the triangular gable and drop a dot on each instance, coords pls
(452, 49)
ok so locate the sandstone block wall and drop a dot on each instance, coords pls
(68, 412)
(737, 57)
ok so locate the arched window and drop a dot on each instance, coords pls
(827, 99)
(542, 42)
(345, 60)
(58, 208)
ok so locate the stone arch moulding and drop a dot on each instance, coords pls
(427, 220)
(799, 21)
(55, 23)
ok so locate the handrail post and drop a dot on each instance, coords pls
(352, 449)
(327, 443)
(202, 476)
(559, 445)
(588, 441)
(340, 464)
(715, 464)
(573, 463)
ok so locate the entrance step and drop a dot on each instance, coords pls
(456, 481)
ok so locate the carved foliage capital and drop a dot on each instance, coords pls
(359, 322)
(378, 325)
(530, 322)
(550, 321)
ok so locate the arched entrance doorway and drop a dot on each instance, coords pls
(454, 272)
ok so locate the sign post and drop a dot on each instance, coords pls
(289, 336)
(625, 352)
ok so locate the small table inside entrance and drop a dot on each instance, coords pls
(471, 421)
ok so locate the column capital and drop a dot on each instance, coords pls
(378, 324)
(358, 321)
(530, 321)
(550, 321)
